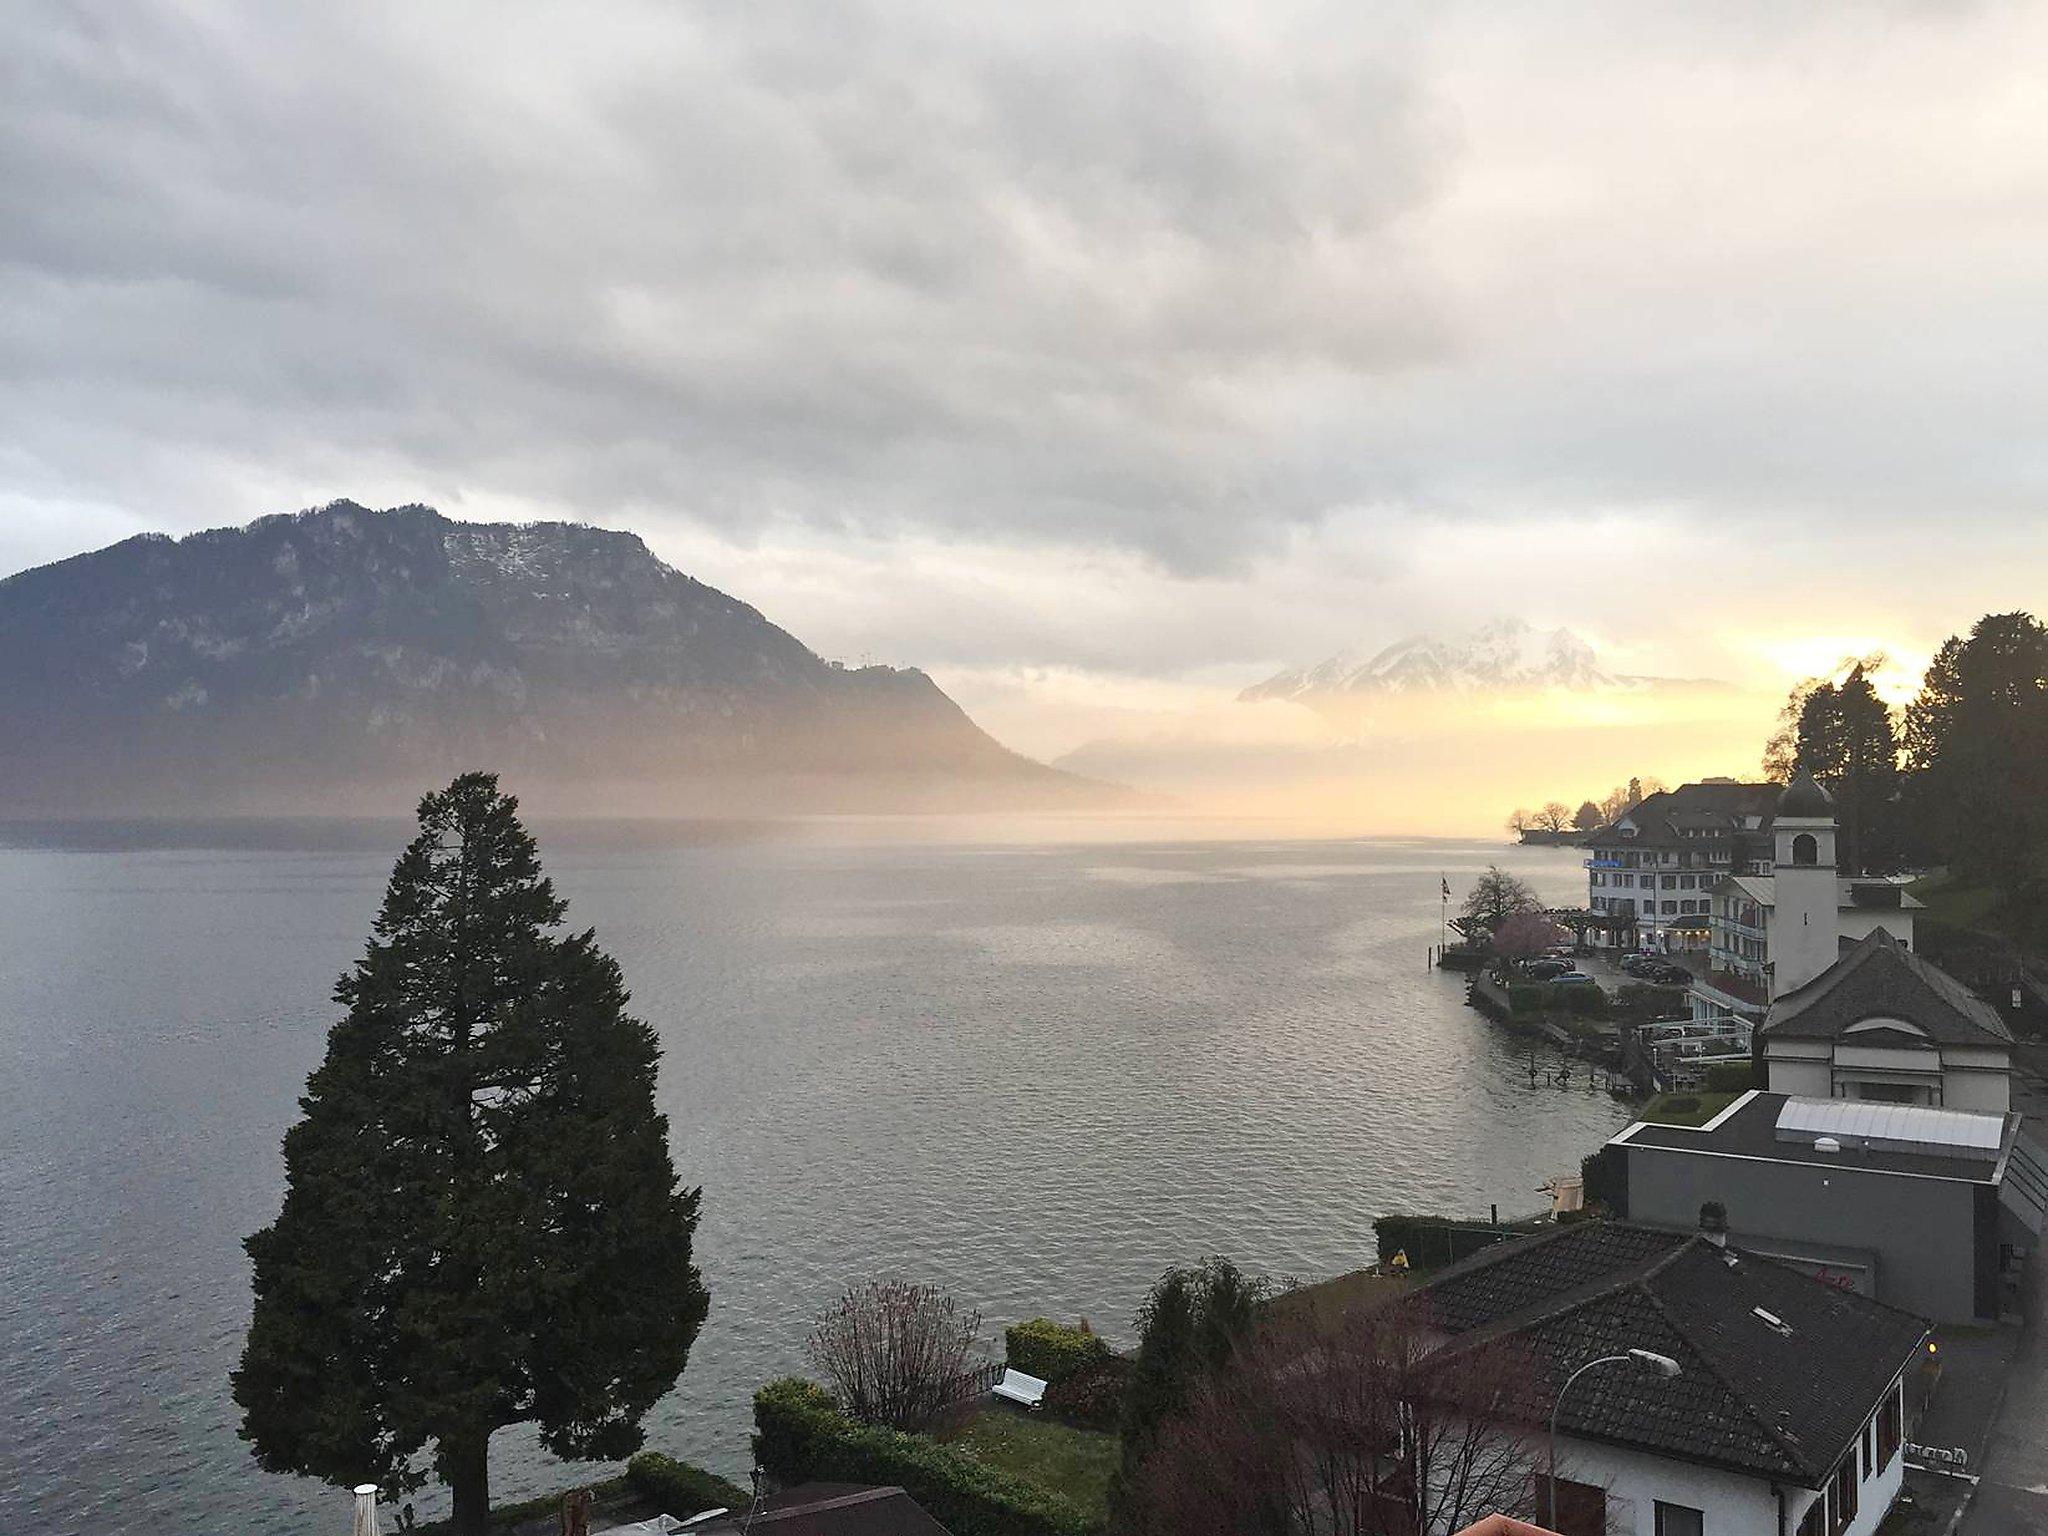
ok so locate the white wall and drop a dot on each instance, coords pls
(1804, 923)
(1807, 1078)
(1735, 1505)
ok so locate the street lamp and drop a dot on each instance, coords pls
(1644, 1359)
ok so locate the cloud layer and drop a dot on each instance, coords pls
(1131, 340)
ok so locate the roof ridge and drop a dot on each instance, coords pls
(1789, 1444)
(1558, 1303)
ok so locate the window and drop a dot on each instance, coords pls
(1870, 1447)
(1805, 850)
(1815, 1517)
(1890, 1430)
(1680, 1520)
(1842, 1493)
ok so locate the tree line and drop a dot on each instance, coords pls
(1959, 776)
(1556, 816)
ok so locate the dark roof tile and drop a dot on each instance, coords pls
(1879, 978)
(1751, 1395)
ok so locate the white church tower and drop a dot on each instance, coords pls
(1806, 926)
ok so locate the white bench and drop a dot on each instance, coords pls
(1016, 1387)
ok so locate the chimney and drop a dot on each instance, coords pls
(1714, 1223)
(366, 1509)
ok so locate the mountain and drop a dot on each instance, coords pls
(1505, 657)
(345, 659)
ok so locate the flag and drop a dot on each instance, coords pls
(1447, 887)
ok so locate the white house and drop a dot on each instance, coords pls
(1786, 1414)
(1883, 1024)
(1770, 933)
(1654, 867)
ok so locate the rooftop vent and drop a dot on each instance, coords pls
(1772, 1321)
(1826, 1144)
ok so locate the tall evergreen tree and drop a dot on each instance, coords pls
(1977, 742)
(1846, 740)
(481, 1223)
(1191, 1323)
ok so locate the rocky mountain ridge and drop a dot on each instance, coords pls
(345, 658)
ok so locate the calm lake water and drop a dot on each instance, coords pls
(1036, 1073)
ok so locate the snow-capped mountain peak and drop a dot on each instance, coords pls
(1505, 656)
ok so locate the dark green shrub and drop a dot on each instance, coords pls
(1730, 1077)
(1430, 1242)
(505, 1516)
(800, 1436)
(1579, 999)
(1528, 997)
(1091, 1397)
(1606, 1176)
(1642, 1002)
(679, 1489)
(1051, 1351)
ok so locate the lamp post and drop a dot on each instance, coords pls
(1645, 1359)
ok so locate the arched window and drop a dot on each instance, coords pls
(1805, 849)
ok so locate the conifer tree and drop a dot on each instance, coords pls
(481, 1223)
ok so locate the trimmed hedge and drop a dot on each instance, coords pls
(679, 1489)
(1647, 1003)
(1051, 1351)
(1091, 1397)
(505, 1516)
(1434, 1241)
(800, 1436)
(1526, 997)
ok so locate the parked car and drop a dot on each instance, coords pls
(1573, 979)
(1545, 969)
(1638, 964)
(1669, 975)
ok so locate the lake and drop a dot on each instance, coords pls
(1036, 1072)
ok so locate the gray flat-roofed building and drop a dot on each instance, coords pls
(1924, 1208)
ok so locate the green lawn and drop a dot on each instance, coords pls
(1073, 1462)
(1685, 1108)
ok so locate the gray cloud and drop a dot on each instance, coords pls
(879, 266)
(1108, 338)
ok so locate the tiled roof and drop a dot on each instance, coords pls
(1709, 807)
(1782, 1399)
(1880, 979)
(834, 1509)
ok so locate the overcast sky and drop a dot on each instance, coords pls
(1096, 358)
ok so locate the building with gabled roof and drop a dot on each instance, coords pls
(1884, 1024)
(1786, 1413)
(1656, 865)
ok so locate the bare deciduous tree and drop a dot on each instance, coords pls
(1346, 1428)
(895, 1353)
(1554, 817)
